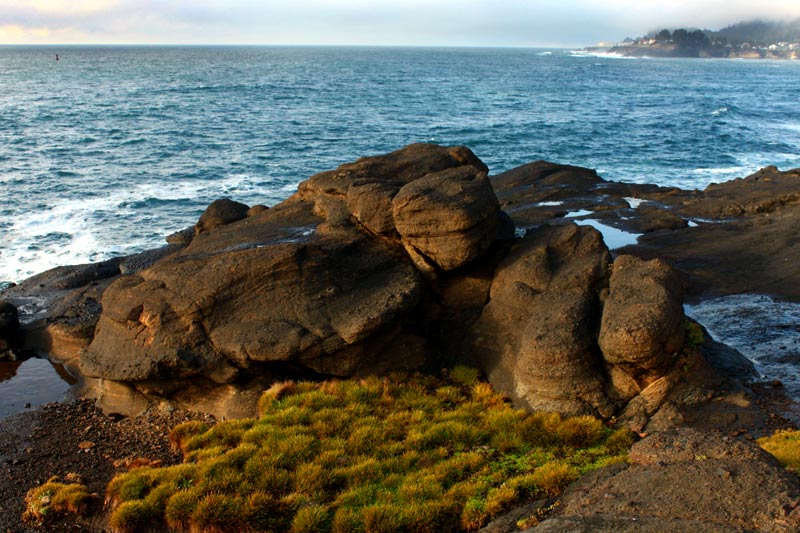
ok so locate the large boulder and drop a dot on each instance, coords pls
(320, 283)
(253, 295)
(643, 323)
(450, 217)
(536, 338)
(221, 212)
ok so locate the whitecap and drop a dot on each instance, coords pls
(95, 229)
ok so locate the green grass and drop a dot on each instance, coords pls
(372, 455)
(53, 499)
(785, 446)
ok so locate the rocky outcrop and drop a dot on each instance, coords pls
(683, 480)
(536, 338)
(301, 284)
(448, 217)
(220, 212)
(642, 328)
(403, 261)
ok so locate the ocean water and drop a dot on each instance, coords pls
(107, 150)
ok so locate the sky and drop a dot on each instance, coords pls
(564, 23)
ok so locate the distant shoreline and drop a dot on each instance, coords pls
(667, 51)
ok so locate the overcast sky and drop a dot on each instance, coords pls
(368, 22)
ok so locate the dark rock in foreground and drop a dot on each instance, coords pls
(683, 480)
(406, 261)
(9, 329)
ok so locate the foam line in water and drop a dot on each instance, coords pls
(75, 231)
(634, 203)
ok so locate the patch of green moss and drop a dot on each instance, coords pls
(374, 455)
(694, 333)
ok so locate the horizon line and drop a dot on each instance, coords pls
(309, 45)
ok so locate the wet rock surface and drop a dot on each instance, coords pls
(9, 330)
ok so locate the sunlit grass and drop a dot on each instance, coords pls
(55, 498)
(372, 455)
(785, 446)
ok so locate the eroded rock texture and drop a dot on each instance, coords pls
(397, 262)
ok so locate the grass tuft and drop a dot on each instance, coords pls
(55, 498)
(370, 455)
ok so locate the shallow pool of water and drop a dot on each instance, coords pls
(28, 384)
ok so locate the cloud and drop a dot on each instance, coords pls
(424, 22)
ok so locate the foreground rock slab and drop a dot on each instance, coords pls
(684, 480)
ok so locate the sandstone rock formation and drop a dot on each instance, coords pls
(536, 337)
(643, 324)
(302, 285)
(220, 212)
(399, 261)
(683, 480)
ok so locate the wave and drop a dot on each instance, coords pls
(605, 55)
(108, 225)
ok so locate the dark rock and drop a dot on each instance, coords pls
(371, 205)
(401, 166)
(683, 479)
(308, 301)
(9, 326)
(219, 213)
(136, 262)
(181, 237)
(9, 320)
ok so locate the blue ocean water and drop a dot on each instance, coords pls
(109, 149)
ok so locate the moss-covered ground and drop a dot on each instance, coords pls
(373, 455)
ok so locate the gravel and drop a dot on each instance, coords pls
(77, 437)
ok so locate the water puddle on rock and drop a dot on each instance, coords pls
(31, 383)
(764, 330)
(614, 238)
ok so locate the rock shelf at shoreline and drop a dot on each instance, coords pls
(420, 260)
(411, 260)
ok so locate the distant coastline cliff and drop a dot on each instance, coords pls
(745, 40)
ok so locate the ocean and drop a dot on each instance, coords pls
(109, 149)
